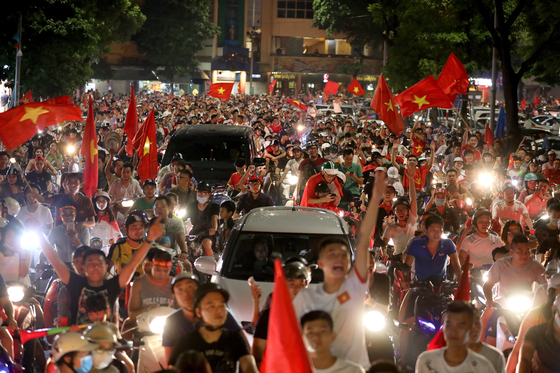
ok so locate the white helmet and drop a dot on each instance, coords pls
(12, 205)
(393, 173)
(3, 222)
(70, 342)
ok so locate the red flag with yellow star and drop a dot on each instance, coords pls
(131, 122)
(453, 78)
(271, 86)
(421, 96)
(384, 105)
(221, 90)
(355, 88)
(146, 147)
(300, 105)
(89, 151)
(331, 87)
(21, 123)
(27, 98)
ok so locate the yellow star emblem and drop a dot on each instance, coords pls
(147, 146)
(92, 150)
(296, 102)
(221, 90)
(390, 106)
(420, 101)
(356, 89)
(419, 149)
(33, 113)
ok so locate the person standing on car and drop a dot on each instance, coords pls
(253, 198)
(328, 176)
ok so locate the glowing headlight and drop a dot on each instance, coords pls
(156, 325)
(12, 160)
(29, 241)
(469, 201)
(374, 321)
(545, 217)
(394, 199)
(15, 293)
(391, 243)
(484, 276)
(181, 213)
(71, 149)
(127, 203)
(300, 128)
(485, 179)
(341, 214)
(444, 235)
(519, 303)
(292, 180)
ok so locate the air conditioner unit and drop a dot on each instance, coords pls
(281, 51)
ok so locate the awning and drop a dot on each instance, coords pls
(196, 77)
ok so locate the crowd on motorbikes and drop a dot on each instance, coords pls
(117, 271)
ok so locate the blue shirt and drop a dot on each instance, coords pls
(425, 263)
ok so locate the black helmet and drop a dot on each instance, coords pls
(401, 201)
(322, 187)
(136, 216)
(183, 276)
(297, 268)
(32, 185)
(177, 157)
(207, 288)
(480, 212)
(203, 186)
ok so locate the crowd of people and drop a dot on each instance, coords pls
(436, 198)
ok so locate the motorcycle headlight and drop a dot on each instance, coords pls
(519, 303)
(29, 240)
(374, 321)
(181, 213)
(127, 203)
(341, 214)
(15, 293)
(156, 325)
(426, 326)
(469, 201)
(293, 179)
(71, 149)
(444, 235)
(485, 179)
(484, 276)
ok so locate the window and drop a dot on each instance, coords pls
(301, 9)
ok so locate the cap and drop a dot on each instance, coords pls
(458, 159)
(380, 169)
(149, 182)
(551, 152)
(393, 173)
(183, 276)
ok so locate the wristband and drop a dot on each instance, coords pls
(532, 232)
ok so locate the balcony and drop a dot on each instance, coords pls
(329, 63)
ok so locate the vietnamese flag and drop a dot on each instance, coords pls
(536, 101)
(488, 136)
(285, 351)
(89, 151)
(453, 78)
(21, 123)
(384, 105)
(300, 105)
(271, 86)
(463, 293)
(131, 123)
(355, 88)
(146, 147)
(421, 96)
(27, 98)
(331, 87)
(523, 104)
(221, 90)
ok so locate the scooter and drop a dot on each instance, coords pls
(510, 312)
(152, 353)
(478, 277)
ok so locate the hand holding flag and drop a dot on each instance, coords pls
(89, 151)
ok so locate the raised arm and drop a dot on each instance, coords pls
(60, 268)
(431, 161)
(412, 192)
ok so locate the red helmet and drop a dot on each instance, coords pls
(254, 177)
(459, 205)
(440, 190)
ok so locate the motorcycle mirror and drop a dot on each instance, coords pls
(206, 265)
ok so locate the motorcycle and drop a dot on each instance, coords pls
(478, 277)
(152, 354)
(510, 312)
(379, 341)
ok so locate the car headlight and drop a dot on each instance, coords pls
(29, 240)
(292, 180)
(519, 303)
(156, 325)
(374, 321)
(15, 293)
(127, 203)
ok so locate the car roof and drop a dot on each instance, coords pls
(212, 130)
(284, 219)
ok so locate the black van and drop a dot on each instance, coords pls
(212, 149)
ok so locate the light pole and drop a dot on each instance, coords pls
(253, 35)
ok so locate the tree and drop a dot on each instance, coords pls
(61, 39)
(173, 33)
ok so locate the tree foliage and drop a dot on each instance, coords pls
(62, 38)
(173, 32)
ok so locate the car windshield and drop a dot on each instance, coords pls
(254, 254)
(220, 150)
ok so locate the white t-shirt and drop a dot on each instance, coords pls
(513, 173)
(494, 356)
(342, 366)
(480, 248)
(42, 215)
(504, 212)
(401, 236)
(511, 277)
(434, 362)
(293, 166)
(346, 307)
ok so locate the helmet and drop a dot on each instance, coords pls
(440, 190)
(531, 176)
(297, 269)
(70, 342)
(3, 222)
(401, 201)
(101, 333)
(322, 187)
(393, 173)
(459, 205)
(341, 176)
(183, 276)
(12, 205)
(508, 185)
(14, 171)
(149, 182)
(101, 194)
(136, 216)
(177, 157)
(203, 186)
(481, 212)
(329, 167)
(552, 268)
(32, 185)
(207, 288)
(254, 177)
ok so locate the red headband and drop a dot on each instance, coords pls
(162, 264)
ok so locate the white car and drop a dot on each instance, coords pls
(540, 123)
(287, 232)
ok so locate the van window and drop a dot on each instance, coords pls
(220, 150)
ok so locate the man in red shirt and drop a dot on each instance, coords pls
(324, 195)
(469, 142)
(328, 176)
(419, 140)
(236, 177)
(553, 174)
(412, 162)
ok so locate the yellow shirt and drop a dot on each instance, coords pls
(122, 254)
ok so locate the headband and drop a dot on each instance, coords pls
(162, 264)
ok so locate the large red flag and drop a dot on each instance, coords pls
(21, 123)
(355, 88)
(221, 90)
(537, 101)
(463, 293)
(146, 147)
(300, 105)
(523, 104)
(131, 122)
(331, 87)
(384, 105)
(488, 136)
(421, 96)
(453, 78)
(89, 151)
(285, 351)
(27, 98)
(271, 86)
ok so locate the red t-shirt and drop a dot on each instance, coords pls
(418, 147)
(552, 176)
(476, 153)
(419, 178)
(235, 179)
(275, 129)
(316, 162)
(309, 192)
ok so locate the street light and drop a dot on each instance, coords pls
(253, 35)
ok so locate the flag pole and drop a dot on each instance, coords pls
(15, 93)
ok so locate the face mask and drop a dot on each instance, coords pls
(202, 199)
(440, 201)
(102, 359)
(101, 205)
(487, 159)
(554, 221)
(87, 364)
